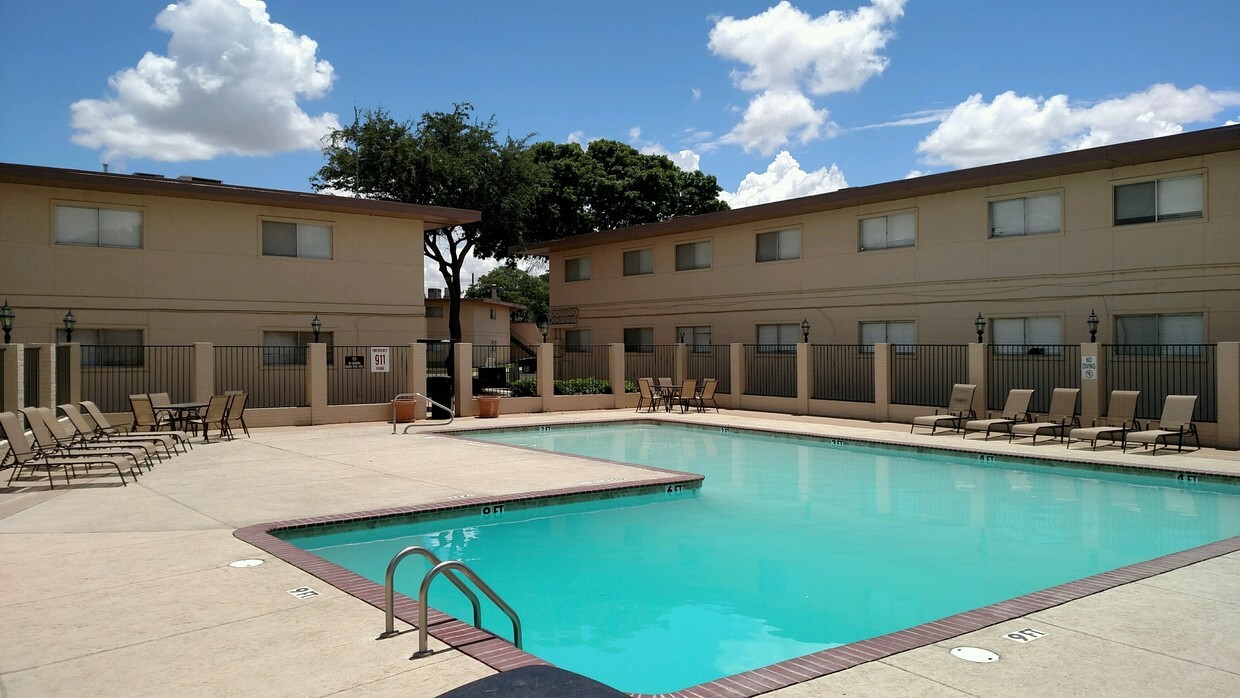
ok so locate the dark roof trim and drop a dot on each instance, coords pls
(145, 185)
(1181, 145)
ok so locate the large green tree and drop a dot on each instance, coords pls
(515, 286)
(444, 159)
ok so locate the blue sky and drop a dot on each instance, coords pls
(774, 99)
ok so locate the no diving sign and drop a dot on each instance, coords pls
(1089, 368)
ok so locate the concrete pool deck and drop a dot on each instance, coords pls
(113, 590)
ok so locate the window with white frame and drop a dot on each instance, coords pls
(98, 227)
(639, 339)
(778, 338)
(780, 244)
(1153, 334)
(882, 232)
(1028, 215)
(698, 337)
(1027, 335)
(288, 348)
(303, 240)
(693, 255)
(577, 269)
(1158, 200)
(107, 347)
(577, 340)
(903, 334)
(638, 262)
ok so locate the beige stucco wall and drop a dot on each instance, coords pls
(477, 325)
(953, 272)
(201, 274)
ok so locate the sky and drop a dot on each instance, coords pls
(775, 99)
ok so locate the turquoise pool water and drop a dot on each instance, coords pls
(790, 546)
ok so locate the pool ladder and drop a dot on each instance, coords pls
(445, 568)
(404, 396)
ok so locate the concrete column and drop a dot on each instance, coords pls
(202, 380)
(736, 356)
(415, 376)
(680, 371)
(615, 364)
(883, 355)
(977, 376)
(1227, 356)
(316, 382)
(75, 373)
(1093, 382)
(466, 406)
(803, 378)
(546, 373)
(14, 378)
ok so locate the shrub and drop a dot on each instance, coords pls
(526, 387)
(582, 386)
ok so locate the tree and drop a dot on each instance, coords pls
(446, 159)
(515, 286)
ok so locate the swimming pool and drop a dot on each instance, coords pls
(791, 546)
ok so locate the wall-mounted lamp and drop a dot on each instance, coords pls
(980, 324)
(69, 321)
(681, 336)
(316, 325)
(1093, 325)
(542, 327)
(805, 330)
(6, 320)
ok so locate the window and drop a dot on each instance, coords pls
(639, 339)
(1023, 335)
(577, 340)
(902, 334)
(1030, 215)
(434, 311)
(98, 227)
(107, 347)
(698, 338)
(289, 348)
(693, 255)
(782, 244)
(1147, 332)
(1159, 200)
(778, 338)
(577, 269)
(304, 240)
(637, 262)
(897, 230)
(492, 313)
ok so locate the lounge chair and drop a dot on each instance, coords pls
(1120, 418)
(1060, 417)
(159, 400)
(216, 415)
(1015, 410)
(959, 408)
(53, 440)
(1176, 421)
(24, 455)
(708, 394)
(84, 431)
(646, 395)
(688, 395)
(236, 409)
(104, 427)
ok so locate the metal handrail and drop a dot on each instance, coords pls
(424, 591)
(389, 586)
(404, 396)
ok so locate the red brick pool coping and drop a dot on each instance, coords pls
(501, 655)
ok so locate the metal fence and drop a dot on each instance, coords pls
(352, 380)
(496, 368)
(64, 372)
(1162, 370)
(711, 361)
(273, 376)
(649, 361)
(582, 362)
(3, 349)
(923, 374)
(111, 373)
(771, 370)
(842, 372)
(32, 398)
(1042, 367)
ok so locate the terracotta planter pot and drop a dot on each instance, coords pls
(405, 410)
(488, 406)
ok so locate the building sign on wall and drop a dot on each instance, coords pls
(354, 361)
(379, 360)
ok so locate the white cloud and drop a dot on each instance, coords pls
(685, 159)
(1013, 127)
(788, 53)
(784, 179)
(697, 94)
(228, 85)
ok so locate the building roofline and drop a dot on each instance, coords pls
(210, 190)
(1215, 140)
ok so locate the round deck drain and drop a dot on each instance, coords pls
(974, 654)
(245, 563)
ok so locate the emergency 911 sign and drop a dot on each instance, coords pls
(380, 360)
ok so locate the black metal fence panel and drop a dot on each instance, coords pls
(771, 370)
(711, 361)
(497, 368)
(437, 356)
(1162, 370)
(842, 372)
(582, 361)
(3, 349)
(355, 378)
(110, 373)
(649, 361)
(64, 372)
(273, 376)
(31, 378)
(923, 374)
(1042, 367)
